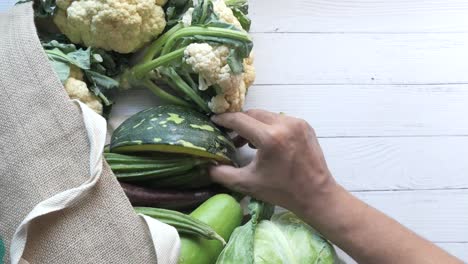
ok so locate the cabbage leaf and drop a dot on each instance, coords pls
(282, 239)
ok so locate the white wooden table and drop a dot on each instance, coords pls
(385, 84)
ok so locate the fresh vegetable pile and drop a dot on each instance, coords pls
(193, 55)
(197, 57)
(161, 155)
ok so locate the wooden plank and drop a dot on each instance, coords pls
(359, 16)
(361, 58)
(370, 110)
(459, 250)
(439, 216)
(398, 163)
(394, 163)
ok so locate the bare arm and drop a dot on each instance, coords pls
(290, 170)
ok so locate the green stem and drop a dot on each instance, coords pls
(186, 89)
(163, 95)
(206, 3)
(189, 80)
(157, 45)
(174, 87)
(203, 31)
(141, 70)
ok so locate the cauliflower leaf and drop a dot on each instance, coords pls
(85, 70)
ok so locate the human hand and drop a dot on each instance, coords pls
(289, 168)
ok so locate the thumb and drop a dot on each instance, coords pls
(226, 175)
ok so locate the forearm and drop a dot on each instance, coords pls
(368, 235)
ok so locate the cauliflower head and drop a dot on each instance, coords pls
(210, 62)
(225, 14)
(77, 89)
(119, 25)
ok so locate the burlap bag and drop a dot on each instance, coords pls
(44, 150)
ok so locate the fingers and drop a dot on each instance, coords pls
(262, 115)
(246, 126)
(228, 176)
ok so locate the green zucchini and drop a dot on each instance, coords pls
(173, 129)
(223, 213)
(185, 224)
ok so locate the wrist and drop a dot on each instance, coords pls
(324, 205)
(320, 198)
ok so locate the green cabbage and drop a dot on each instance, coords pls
(283, 239)
(287, 239)
(240, 248)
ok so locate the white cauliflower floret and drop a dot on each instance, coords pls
(225, 14)
(77, 89)
(120, 25)
(204, 61)
(222, 52)
(187, 17)
(228, 81)
(249, 71)
(211, 65)
(218, 104)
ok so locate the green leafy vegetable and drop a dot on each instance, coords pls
(54, 43)
(287, 239)
(240, 248)
(175, 9)
(61, 68)
(97, 65)
(79, 58)
(102, 86)
(283, 239)
(240, 9)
